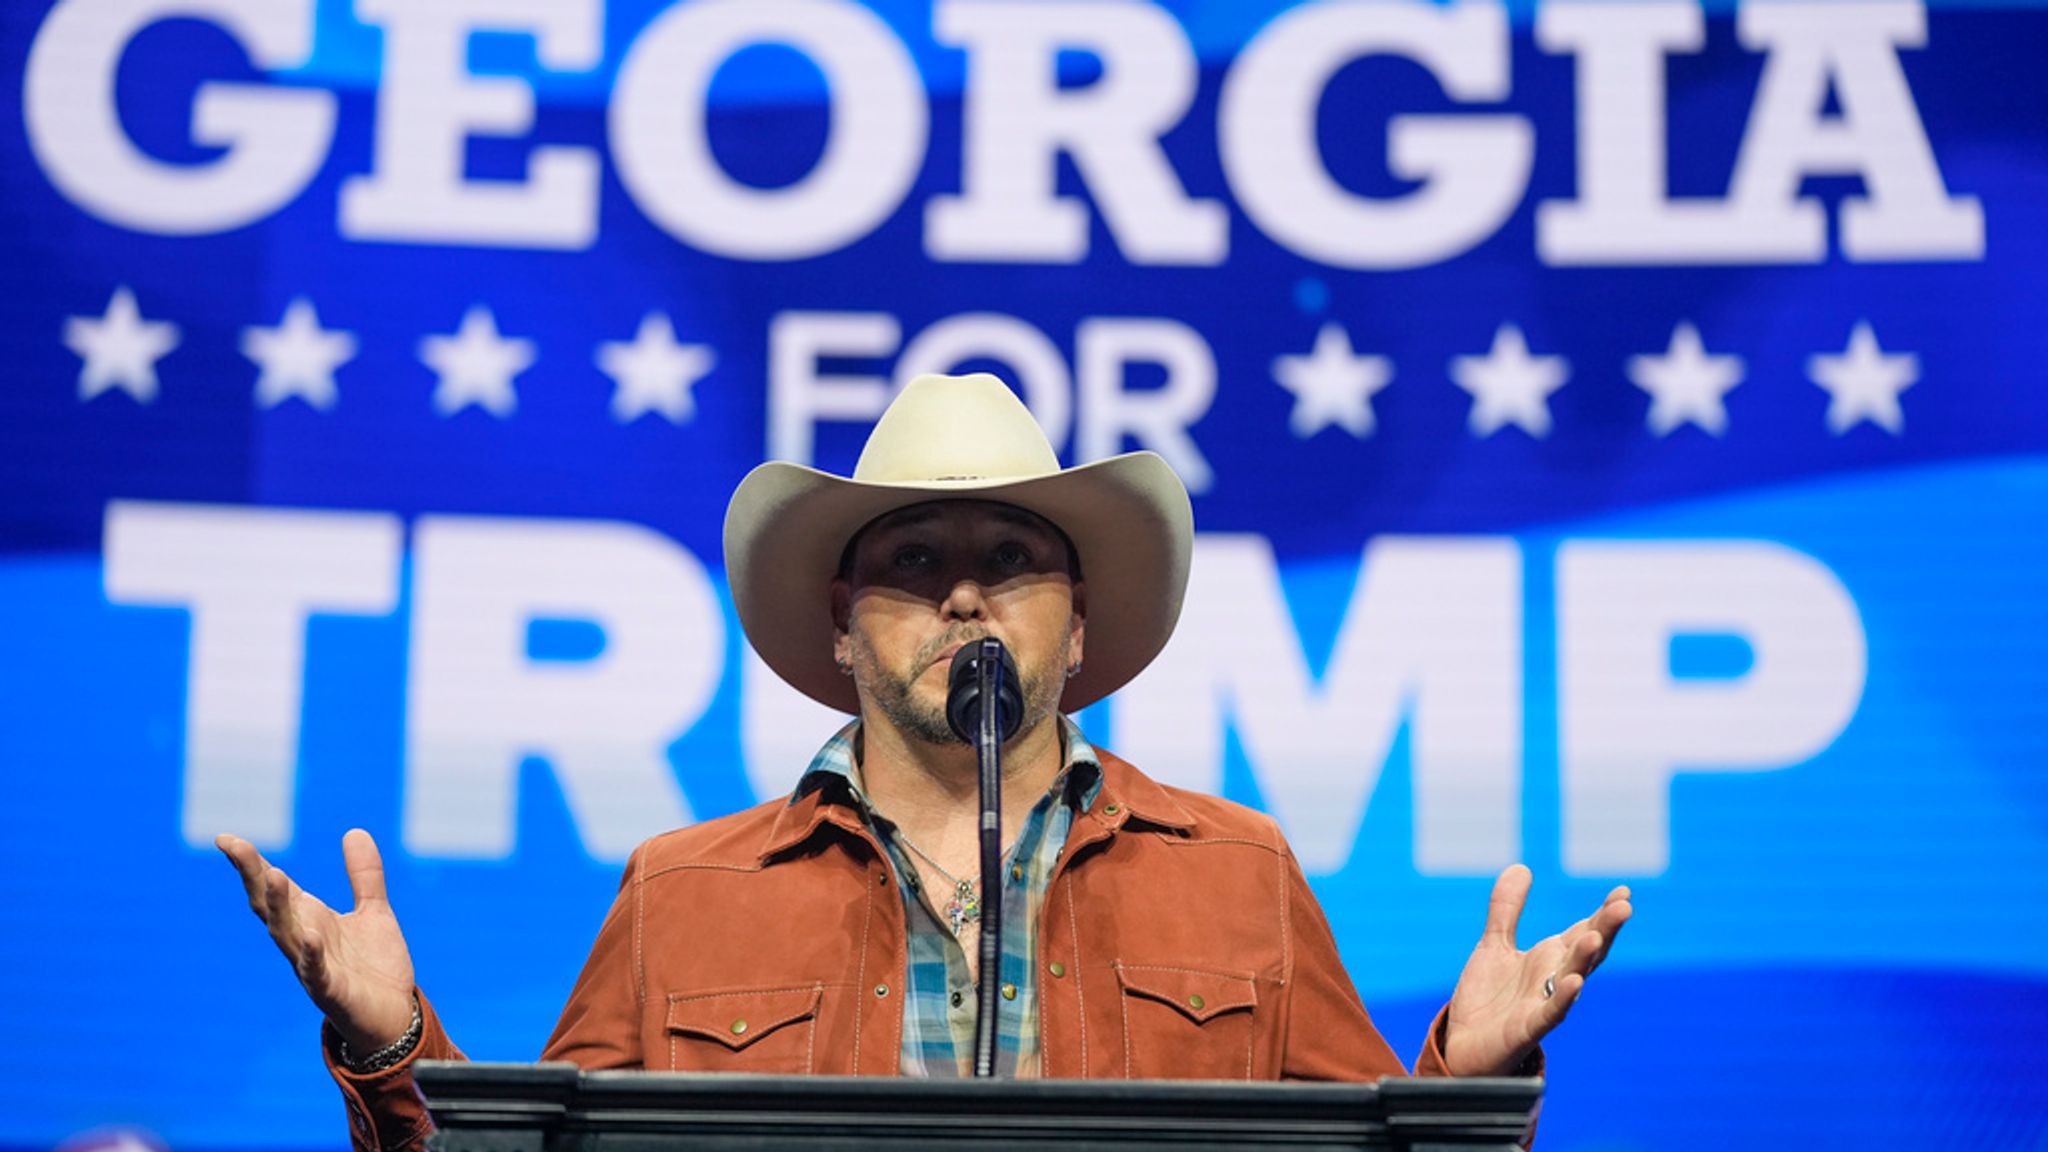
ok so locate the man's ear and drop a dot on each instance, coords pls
(842, 619)
(1077, 624)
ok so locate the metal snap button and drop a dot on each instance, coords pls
(739, 1027)
(1196, 1002)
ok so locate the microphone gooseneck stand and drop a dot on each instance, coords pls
(984, 707)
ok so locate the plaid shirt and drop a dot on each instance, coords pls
(940, 1006)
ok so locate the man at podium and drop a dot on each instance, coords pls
(1147, 931)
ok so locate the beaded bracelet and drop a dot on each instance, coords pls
(391, 1053)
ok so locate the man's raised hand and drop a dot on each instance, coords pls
(355, 966)
(1507, 999)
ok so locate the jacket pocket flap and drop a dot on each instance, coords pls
(738, 1018)
(1198, 995)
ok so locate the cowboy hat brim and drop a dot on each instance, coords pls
(1128, 518)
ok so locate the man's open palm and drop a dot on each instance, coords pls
(1502, 1008)
(355, 966)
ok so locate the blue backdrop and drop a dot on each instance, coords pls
(1615, 434)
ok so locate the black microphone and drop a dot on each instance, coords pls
(964, 696)
(985, 707)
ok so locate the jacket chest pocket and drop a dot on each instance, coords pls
(769, 1030)
(1186, 1023)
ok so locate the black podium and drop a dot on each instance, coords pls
(560, 1108)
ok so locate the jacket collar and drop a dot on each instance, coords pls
(811, 809)
(1128, 794)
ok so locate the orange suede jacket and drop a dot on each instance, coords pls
(1179, 940)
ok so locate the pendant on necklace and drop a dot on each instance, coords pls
(964, 908)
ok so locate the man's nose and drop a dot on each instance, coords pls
(965, 600)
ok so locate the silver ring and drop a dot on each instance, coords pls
(1549, 987)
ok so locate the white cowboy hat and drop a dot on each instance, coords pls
(960, 437)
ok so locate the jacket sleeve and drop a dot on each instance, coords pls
(385, 1112)
(600, 1025)
(1329, 1036)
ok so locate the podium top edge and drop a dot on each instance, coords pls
(562, 1082)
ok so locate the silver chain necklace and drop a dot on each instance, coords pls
(965, 906)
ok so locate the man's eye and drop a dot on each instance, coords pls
(912, 556)
(1013, 556)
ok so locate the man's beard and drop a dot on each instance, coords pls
(894, 694)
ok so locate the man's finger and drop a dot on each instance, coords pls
(279, 913)
(1613, 915)
(365, 867)
(1608, 923)
(1585, 954)
(312, 962)
(249, 864)
(1568, 986)
(1504, 910)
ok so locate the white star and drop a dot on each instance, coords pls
(1508, 385)
(653, 372)
(1332, 385)
(1863, 383)
(120, 348)
(476, 365)
(297, 358)
(1686, 384)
